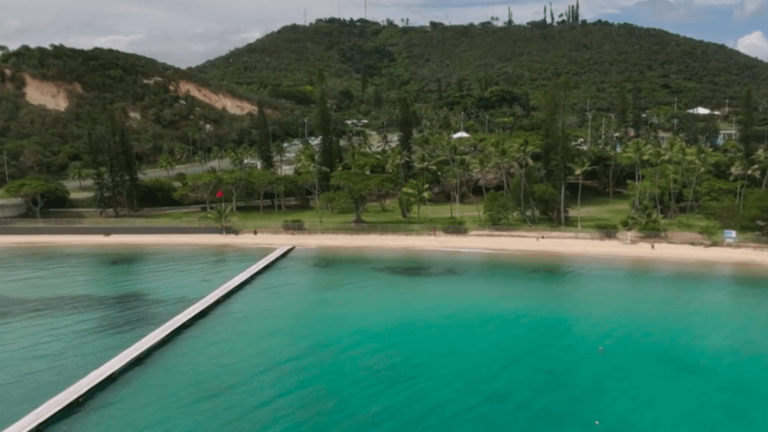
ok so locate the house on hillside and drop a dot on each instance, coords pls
(702, 111)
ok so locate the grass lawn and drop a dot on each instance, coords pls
(439, 212)
(594, 209)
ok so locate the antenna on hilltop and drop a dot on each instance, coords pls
(366, 8)
(305, 16)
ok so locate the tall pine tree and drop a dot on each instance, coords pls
(747, 124)
(263, 139)
(621, 110)
(330, 150)
(406, 123)
(555, 149)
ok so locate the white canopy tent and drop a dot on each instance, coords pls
(461, 134)
(702, 111)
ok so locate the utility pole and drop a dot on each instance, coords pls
(306, 130)
(305, 16)
(5, 160)
(589, 133)
(603, 138)
(726, 106)
(366, 9)
(339, 9)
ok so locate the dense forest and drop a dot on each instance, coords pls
(488, 69)
(545, 108)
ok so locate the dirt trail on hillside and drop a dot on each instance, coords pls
(218, 100)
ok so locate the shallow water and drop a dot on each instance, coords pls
(388, 341)
(66, 311)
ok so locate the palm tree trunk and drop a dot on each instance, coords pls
(610, 180)
(275, 202)
(581, 179)
(637, 185)
(562, 202)
(522, 197)
(656, 188)
(765, 179)
(690, 196)
(504, 177)
(477, 207)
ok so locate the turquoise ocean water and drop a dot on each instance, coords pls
(66, 311)
(393, 341)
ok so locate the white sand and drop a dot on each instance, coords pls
(528, 246)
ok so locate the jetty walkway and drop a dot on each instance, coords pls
(38, 418)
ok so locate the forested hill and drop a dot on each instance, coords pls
(50, 98)
(458, 64)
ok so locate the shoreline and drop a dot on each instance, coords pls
(580, 248)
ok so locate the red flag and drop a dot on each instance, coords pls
(220, 194)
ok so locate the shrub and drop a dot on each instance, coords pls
(607, 230)
(709, 230)
(294, 225)
(606, 226)
(157, 193)
(496, 208)
(457, 226)
(182, 178)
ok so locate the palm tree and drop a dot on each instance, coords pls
(523, 158)
(418, 193)
(217, 154)
(676, 157)
(701, 161)
(656, 157)
(634, 154)
(307, 160)
(452, 151)
(579, 168)
(237, 157)
(221, 216)
(761, 159)
(279, 149)
(77, 172)
(502, 154)
(200, 160)
(180, 153)
(167, 163)
(481, 166)
(426, 163)
(743, 172)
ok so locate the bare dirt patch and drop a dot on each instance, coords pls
(52, 95)
(218, 100)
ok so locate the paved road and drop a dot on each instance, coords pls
(160, 173)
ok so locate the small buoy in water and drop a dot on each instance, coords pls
(597, 423)
(601, 350)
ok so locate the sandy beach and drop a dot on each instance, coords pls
(527, 246)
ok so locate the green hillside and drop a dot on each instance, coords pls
(38, 140)
(485, 67)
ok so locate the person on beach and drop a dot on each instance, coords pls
(434, 231)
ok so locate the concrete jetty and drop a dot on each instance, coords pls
(38, 418)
